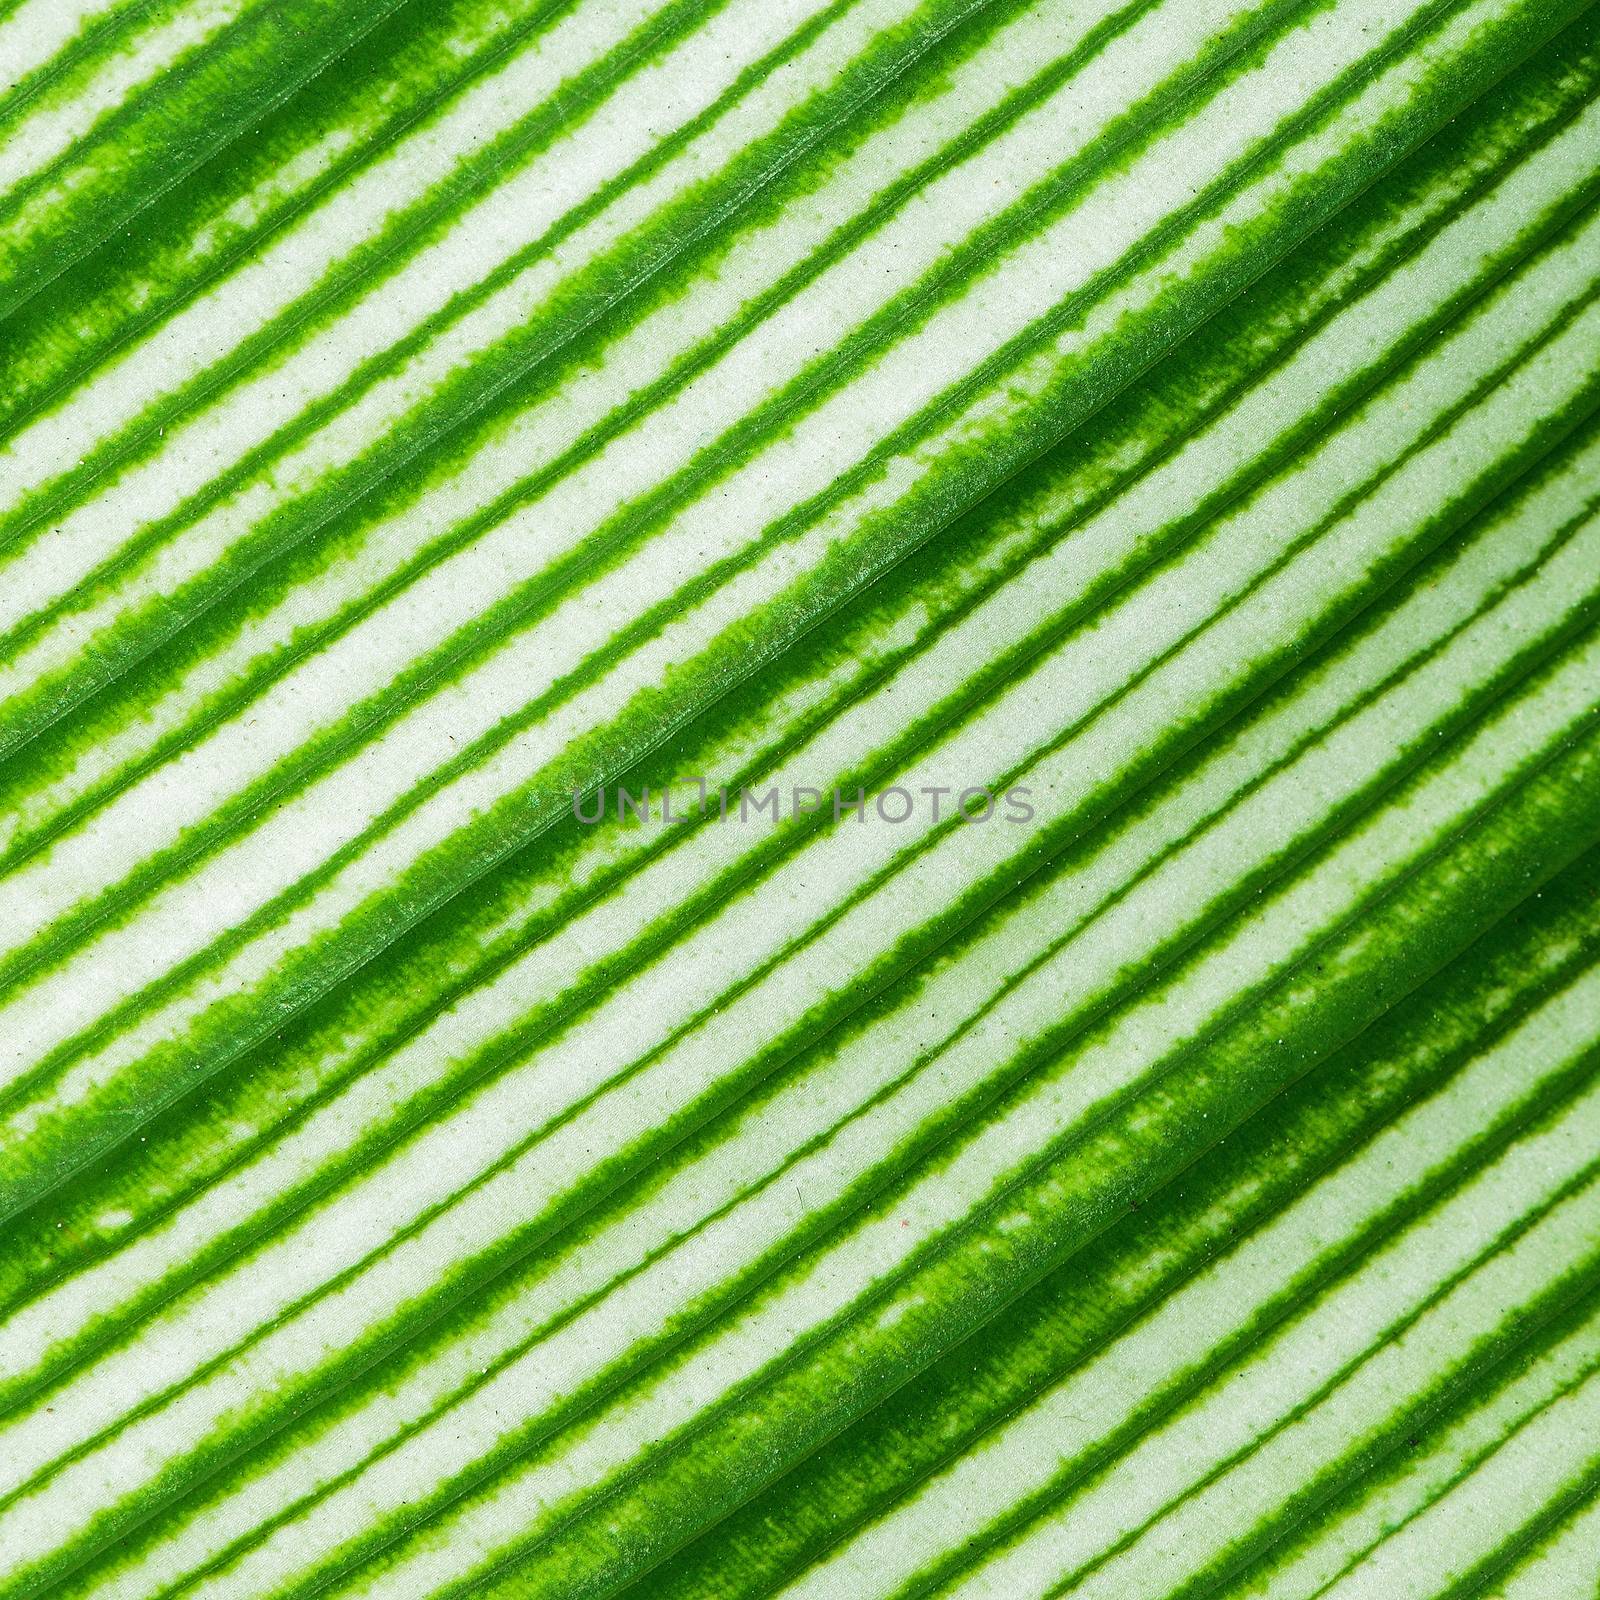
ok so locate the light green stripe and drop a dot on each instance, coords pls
(1567, 1561)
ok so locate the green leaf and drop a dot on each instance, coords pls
(799, 797)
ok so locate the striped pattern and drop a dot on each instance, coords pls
(416, 414)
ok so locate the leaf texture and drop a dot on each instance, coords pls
(800, 798)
